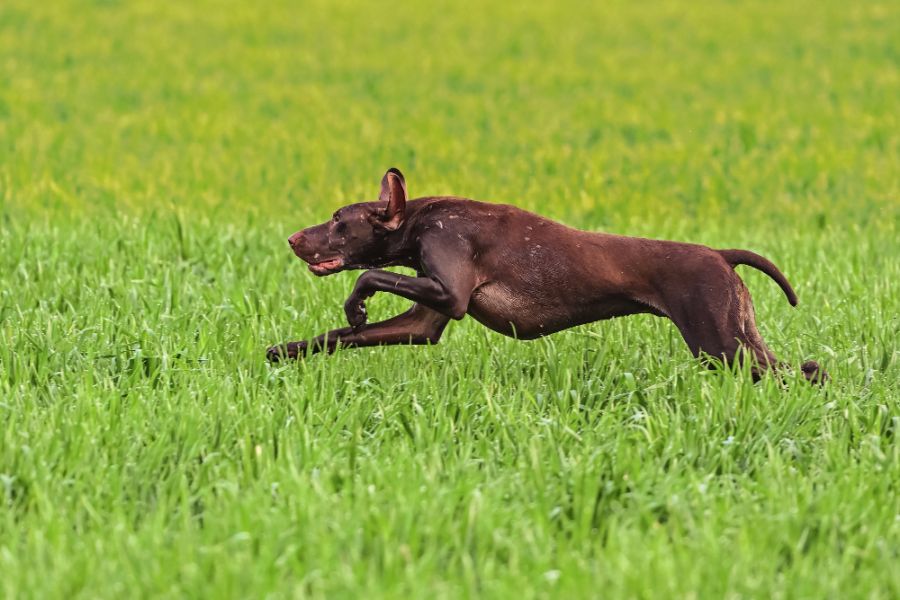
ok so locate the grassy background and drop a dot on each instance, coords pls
(155, 156)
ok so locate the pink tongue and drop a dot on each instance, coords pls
(326, 265)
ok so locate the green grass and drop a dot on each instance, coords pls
(155, 156)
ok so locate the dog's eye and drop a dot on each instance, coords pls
(336, 217)
(340, 227)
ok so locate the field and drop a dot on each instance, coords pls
(154, 157)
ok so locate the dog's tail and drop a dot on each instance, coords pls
(752, 259)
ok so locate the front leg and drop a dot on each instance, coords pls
(450, 299)
(355, 305)
(418, 325)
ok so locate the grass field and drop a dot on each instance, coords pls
(154, 157)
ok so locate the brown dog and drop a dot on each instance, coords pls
(525, 276)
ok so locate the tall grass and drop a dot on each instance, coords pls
(154, 158)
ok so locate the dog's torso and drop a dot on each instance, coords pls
(535, 276)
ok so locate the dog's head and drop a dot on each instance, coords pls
(359, 235)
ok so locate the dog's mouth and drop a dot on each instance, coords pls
(327, 267)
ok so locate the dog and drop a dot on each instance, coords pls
(526, 276)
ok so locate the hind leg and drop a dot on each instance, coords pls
(717, 320)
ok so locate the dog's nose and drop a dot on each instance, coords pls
(296, 239)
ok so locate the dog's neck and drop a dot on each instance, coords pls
(403, 245)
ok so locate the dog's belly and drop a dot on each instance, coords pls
(529, 316)
(502, 310)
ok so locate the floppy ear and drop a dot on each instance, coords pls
(393, 193)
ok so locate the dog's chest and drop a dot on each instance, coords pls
(513, 313)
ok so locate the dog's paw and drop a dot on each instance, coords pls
(814, 373)
(289, 351)
(355, 309)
